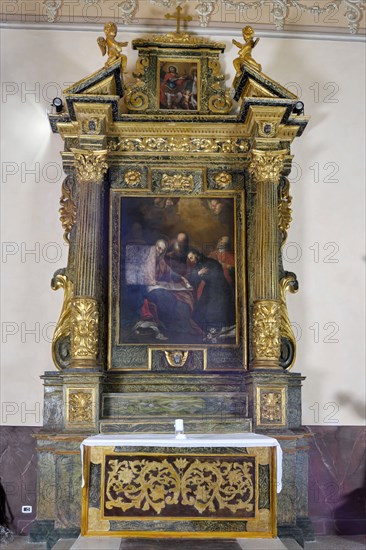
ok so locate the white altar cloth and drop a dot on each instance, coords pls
(247, 439)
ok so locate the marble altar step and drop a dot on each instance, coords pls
(198, 405)
(148, 425)
(108, 543)
(203, 412)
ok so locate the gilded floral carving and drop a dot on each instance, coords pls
(84, 325)
(80, 406)
(266, 329)
(151, 485)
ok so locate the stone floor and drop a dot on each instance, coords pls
(322, 543)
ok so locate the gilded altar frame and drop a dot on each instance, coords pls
(123, 144)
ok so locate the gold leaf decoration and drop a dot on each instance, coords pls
(80, 406)
(84, 328)
(266, 329)
(68, 208)
(284, 210)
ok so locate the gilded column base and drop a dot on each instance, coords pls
(259, 363)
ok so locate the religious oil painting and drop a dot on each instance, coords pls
(177, 271)
(179, 85)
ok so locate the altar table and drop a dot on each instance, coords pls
(156, 485)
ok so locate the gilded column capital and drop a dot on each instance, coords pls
(267, 166)
(90, 166)
(266, 333)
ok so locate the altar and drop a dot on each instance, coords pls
(176, 206)
(161, 485)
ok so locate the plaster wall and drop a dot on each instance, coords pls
(325, 246)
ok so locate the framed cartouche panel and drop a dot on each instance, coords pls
(177, 277)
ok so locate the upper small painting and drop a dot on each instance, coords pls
(179, 85)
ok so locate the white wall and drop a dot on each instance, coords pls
(326, 240)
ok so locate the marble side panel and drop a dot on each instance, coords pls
(68, 490)
(337, 479)
(18, 473)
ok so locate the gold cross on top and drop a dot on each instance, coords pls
(179, 17)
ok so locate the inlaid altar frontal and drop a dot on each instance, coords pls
(167, 491)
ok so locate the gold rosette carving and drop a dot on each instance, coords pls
(132, 178)
(266, 329)
(223, 180)
(84, 324)
(90, 166)
(267, 166)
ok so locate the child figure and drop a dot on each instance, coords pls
(110, 46)
(245, 52)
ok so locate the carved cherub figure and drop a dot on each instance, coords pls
(245, 51)
(110, 46)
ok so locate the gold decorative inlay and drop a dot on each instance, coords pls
(90, 166)
(207, 486)
(68, 208)
(287, 284)
(176, 358)
(245, 51)
(84, 328)
(266, 329)
(176, 182)
(132, 178)
(271, 406)
(223, 180)
(63, 327)
(267, 166)
(110, 46)
(284, 210)
(80, 406)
